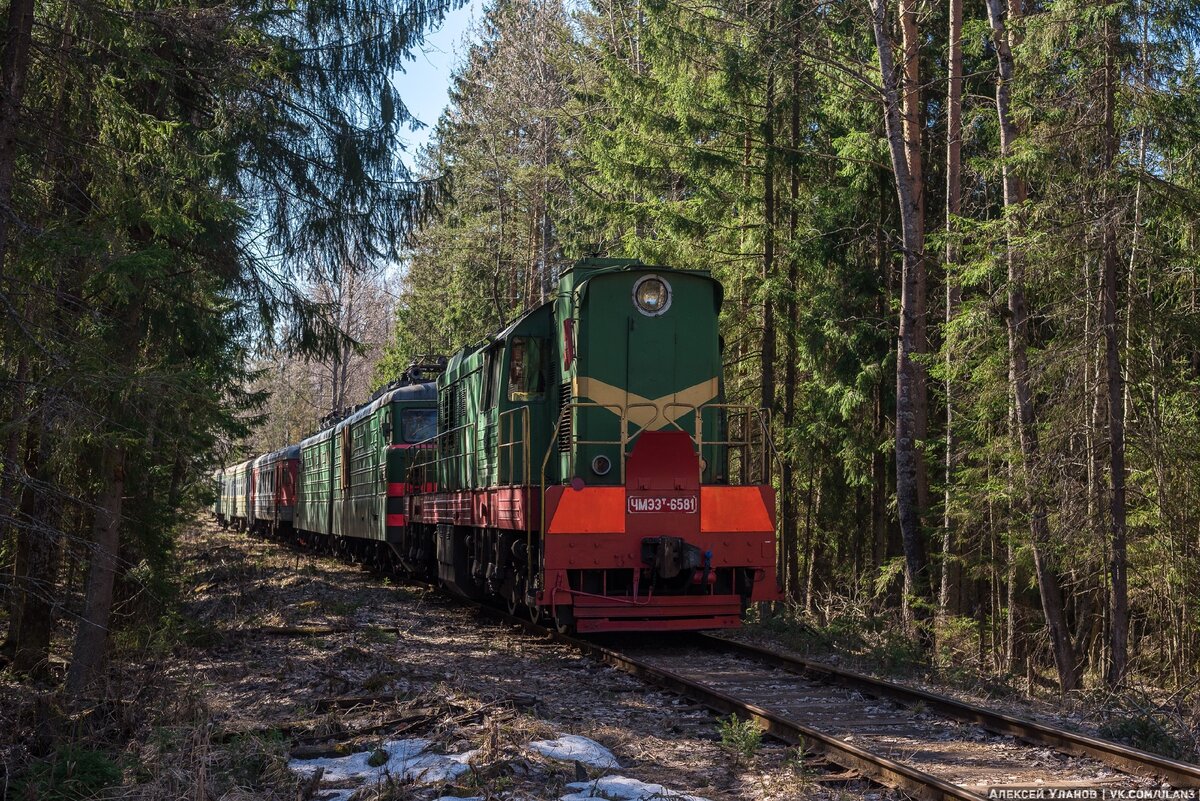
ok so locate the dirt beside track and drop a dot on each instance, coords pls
(333, 659)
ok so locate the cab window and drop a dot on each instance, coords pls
(526, 381)
(418, 425)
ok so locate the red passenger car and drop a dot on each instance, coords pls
(273, 501)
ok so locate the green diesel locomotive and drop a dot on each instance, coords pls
(588, 468)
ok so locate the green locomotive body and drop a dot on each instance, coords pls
(352, 474)
(315, 484)
(372, 454)
(585, 458)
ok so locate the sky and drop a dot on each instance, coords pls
(424, 84)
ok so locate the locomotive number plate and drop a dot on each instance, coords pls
(652, 504)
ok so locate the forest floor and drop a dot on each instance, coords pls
(289, 656)
(280, 662)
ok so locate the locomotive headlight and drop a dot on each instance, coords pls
(652, 295)
(601, 465)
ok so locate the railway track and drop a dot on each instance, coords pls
(927, 745)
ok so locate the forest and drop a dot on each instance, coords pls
(958, 242)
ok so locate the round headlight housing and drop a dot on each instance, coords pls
(601, 465)
(652, 295)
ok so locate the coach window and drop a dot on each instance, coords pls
(525, 376)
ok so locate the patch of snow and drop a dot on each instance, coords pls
(407, 760)
(573, 748)
(621, 788)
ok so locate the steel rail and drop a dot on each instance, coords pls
(879, 768)
(1123, 757)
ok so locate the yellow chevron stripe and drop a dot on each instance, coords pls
(651, 415)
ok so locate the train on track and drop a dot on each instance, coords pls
(582, 464)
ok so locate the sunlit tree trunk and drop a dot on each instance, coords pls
(908, 376)
(1018, 343)
(769, 337)
(910, 104)
(951, 568)
(791, 355)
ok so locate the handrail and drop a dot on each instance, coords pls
(745, 444)
(433, 457)
(626, 437)
(755, 436)
(541, 501)
(513, 432)
(511, 417)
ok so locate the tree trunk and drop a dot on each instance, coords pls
(1118, 560)
(10, 473)
(804, 573)
(37, 557)
(908, 377)
(881, 525)
(767, 400)
(788, 483)
(948, 600)
(91, 641)
(1018, 343)
(13, 69)
(910, 99)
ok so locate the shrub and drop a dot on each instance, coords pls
(741, 737)
(71, 774)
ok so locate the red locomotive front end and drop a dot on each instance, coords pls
(661, 552)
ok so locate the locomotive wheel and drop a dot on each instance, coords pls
(513, 604)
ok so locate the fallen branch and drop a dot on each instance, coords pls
(411, 719)
(308, 631)
(351, 701)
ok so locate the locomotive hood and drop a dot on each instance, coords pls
(659, 362)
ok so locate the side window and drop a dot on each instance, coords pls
(345, 460)
(491, 376)
(526, 378)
